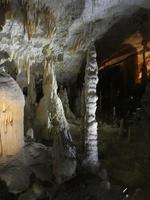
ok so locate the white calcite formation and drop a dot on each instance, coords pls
(11, 116)
(64, 152)
(91, 80)
(23, 51)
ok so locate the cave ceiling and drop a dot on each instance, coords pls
(35, 31)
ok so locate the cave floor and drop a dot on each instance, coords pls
(127, 159)
(86, 187)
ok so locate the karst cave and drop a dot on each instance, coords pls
(74, 99)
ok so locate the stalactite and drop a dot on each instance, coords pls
(91, 80)
(35, 12)
(31, 28)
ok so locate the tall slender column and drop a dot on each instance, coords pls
(91, 140)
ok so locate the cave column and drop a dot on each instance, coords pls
(90, 124)
(11, 116)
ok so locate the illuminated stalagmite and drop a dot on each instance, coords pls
(11, 116)
(91, 80)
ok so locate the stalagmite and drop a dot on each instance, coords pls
(91, 80)
(11, 116)
(64, 153)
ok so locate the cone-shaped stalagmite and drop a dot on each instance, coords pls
(64, 152)
(11, 116)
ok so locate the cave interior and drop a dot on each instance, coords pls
(74, 100)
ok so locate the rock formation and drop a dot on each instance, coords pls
(11, 116)
(91, 80)
(64, 153)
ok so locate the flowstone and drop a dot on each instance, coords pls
(11, 116)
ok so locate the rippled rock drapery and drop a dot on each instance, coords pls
(91, 140)
(11, 116)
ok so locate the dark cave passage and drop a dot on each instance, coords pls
(118, 92)
(122, 78)
(123, 59)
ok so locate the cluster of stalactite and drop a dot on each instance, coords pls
(35, 13)
(32, 14)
